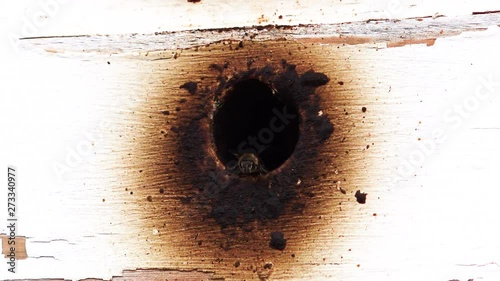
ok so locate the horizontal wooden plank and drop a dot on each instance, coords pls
(149, 275)
(33, 18)
(380, 33)
(105, 192)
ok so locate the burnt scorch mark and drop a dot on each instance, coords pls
(191, 87)
(225, 196)
(360, 197)
(278, 241)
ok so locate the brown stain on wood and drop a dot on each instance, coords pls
(187, 236)
(351, 40)
(20, 247)
(429, 42)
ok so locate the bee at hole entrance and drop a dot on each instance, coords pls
(249, 164)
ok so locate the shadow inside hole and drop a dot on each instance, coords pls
(253, 119)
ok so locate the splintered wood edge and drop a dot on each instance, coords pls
(147, 275)
(382, 32)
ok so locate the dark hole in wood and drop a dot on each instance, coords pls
(252, 119)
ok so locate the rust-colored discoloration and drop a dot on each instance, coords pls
(429, 42)
(20, 247)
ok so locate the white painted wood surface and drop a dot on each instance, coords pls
(147, 16)
(435, 220)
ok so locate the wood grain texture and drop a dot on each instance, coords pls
(380, 33)
(99, 114)
(149, 16)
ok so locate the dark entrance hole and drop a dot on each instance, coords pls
(255, 119)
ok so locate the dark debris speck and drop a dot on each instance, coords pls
(268, 266)
(278, 241)
(191, 87)
(360, 197)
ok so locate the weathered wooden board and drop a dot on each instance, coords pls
(88, 133)
(27, 18)
(379, 33)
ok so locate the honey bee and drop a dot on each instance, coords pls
(249, 164)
